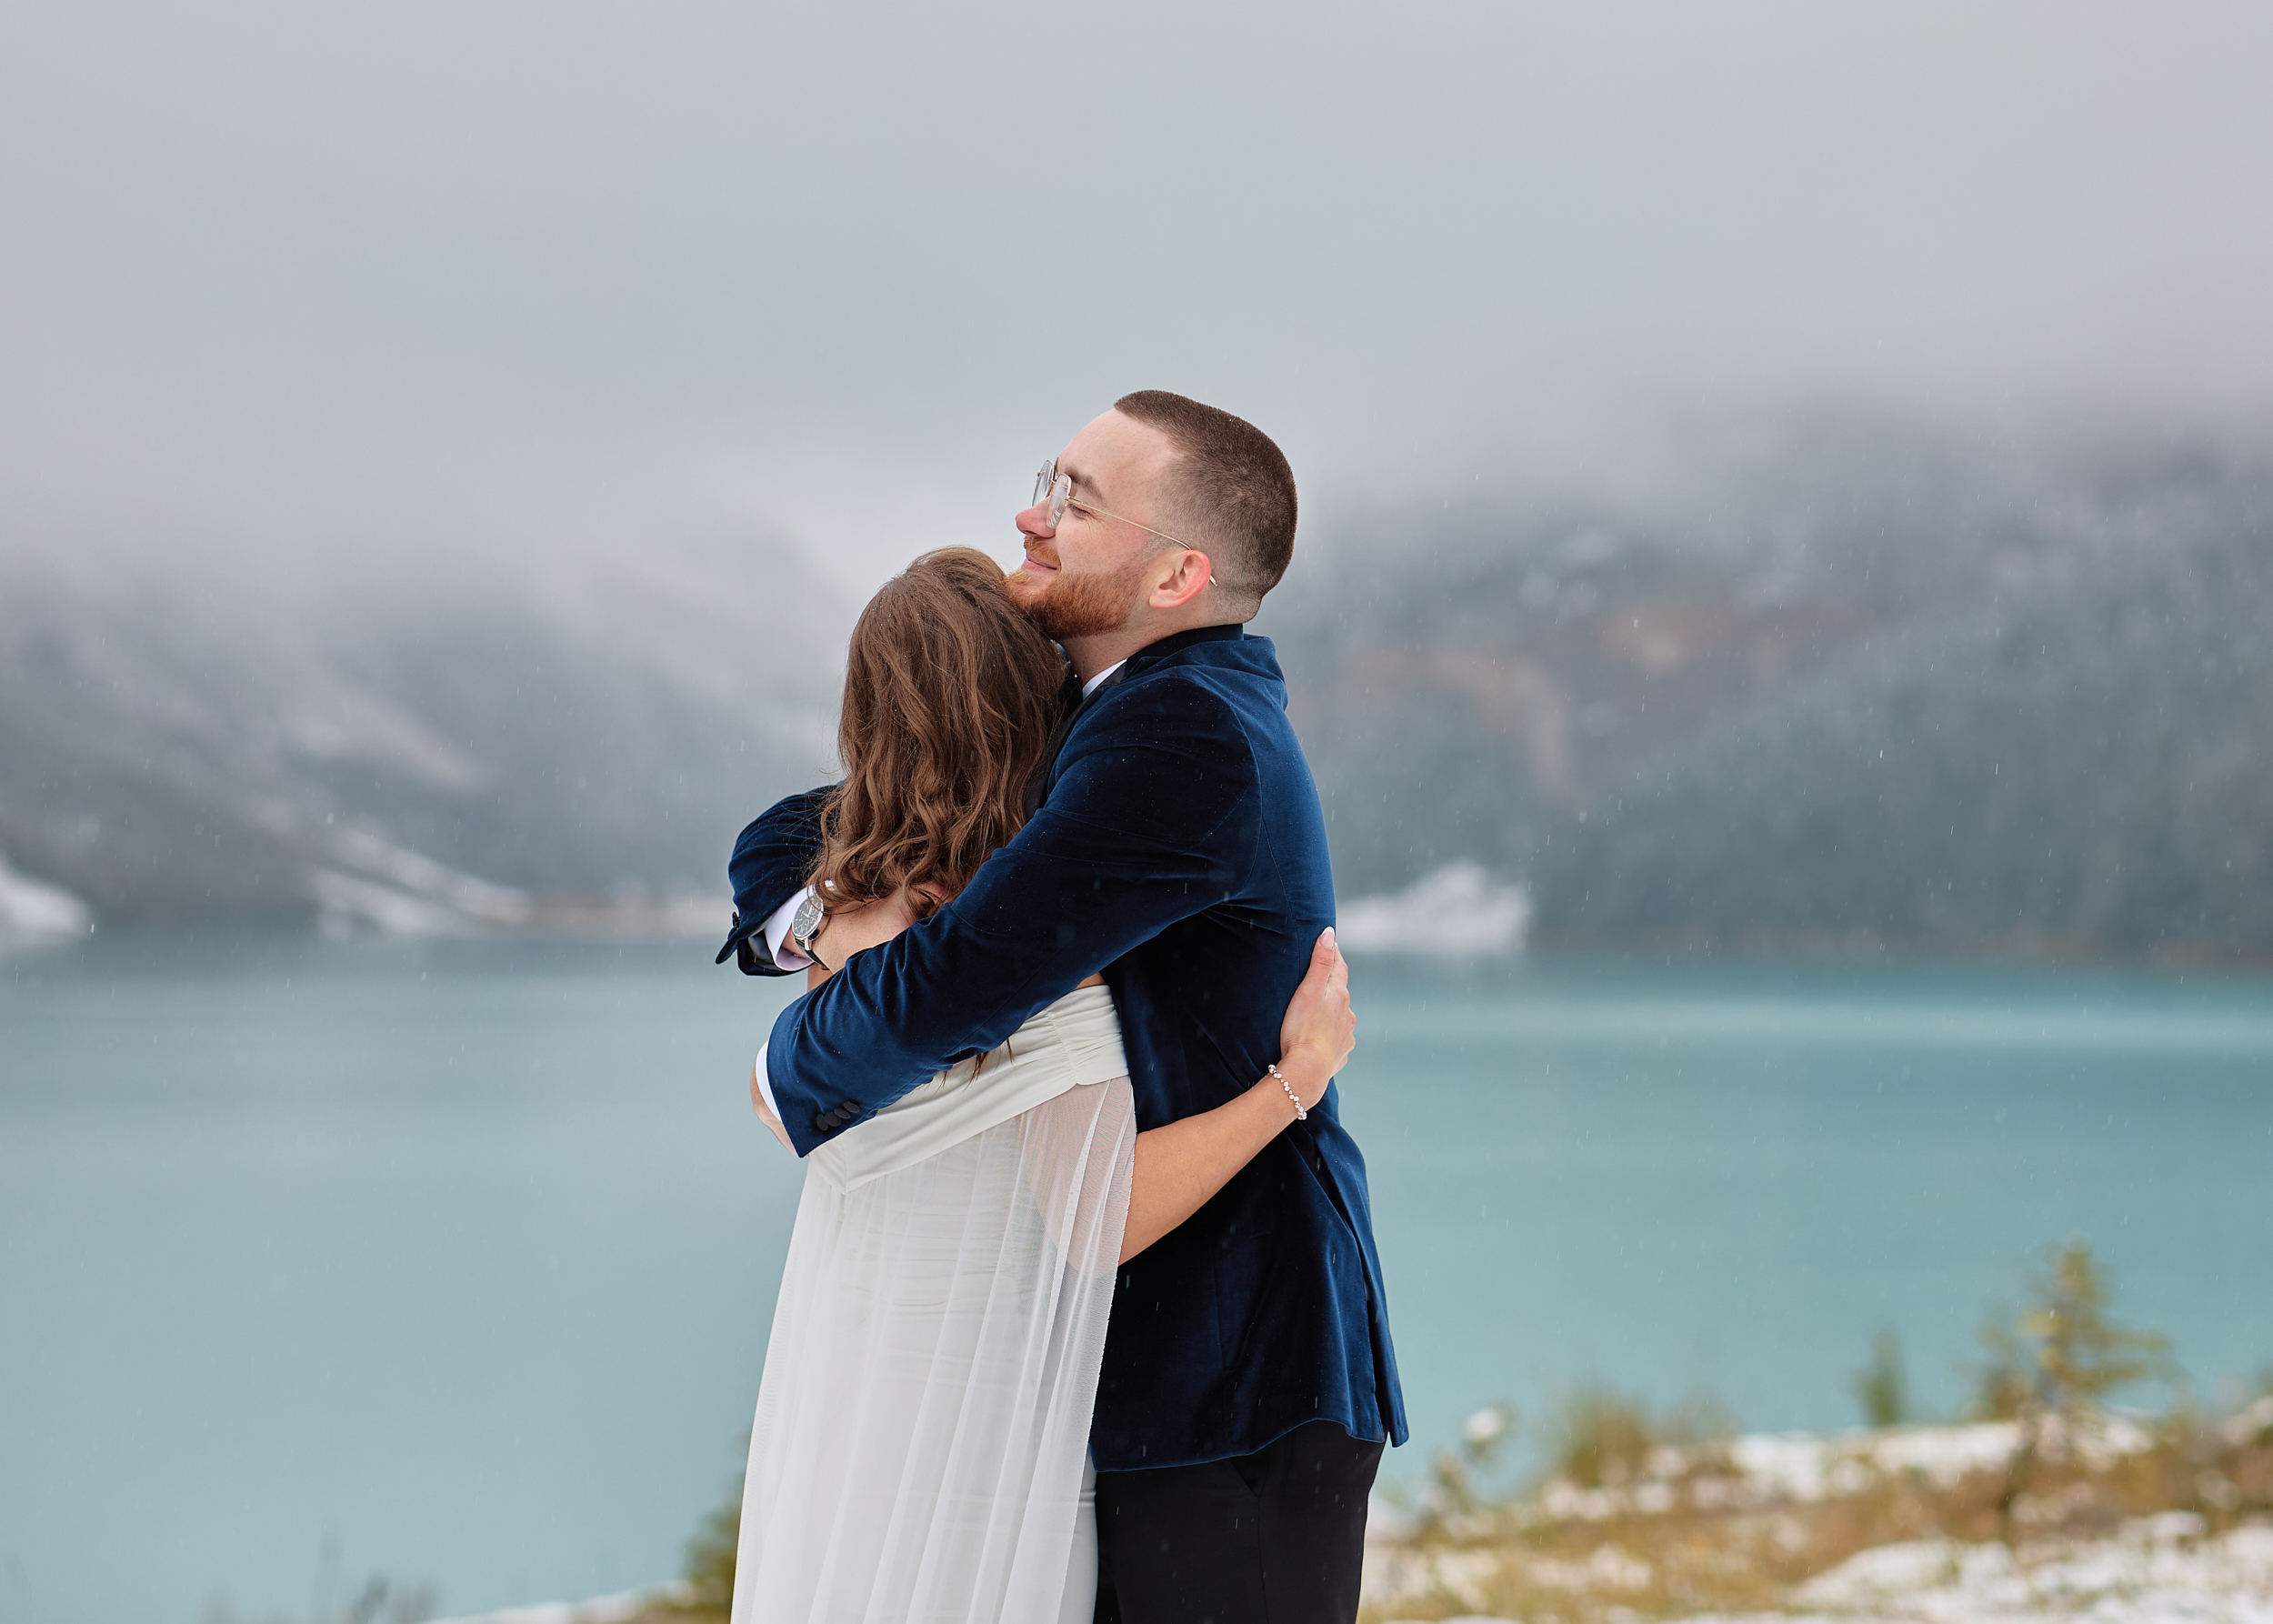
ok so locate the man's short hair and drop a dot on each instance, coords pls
(1231, 493)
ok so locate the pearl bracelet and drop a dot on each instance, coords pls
(1300, 1115)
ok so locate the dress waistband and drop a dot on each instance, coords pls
(1072, 1043)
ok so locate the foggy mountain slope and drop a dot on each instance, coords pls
(2082, 758)
(383, 759)
(1665, 715)
(1669, 722)
(1465, 680)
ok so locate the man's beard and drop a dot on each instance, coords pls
(1079, 606)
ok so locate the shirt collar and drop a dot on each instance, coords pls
(1163, 647)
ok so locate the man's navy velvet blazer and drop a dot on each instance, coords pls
(1178, 848)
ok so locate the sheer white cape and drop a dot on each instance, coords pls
(923, 1421)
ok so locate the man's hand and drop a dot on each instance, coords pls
(773, 1123)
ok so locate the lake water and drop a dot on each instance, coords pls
(453, 1263)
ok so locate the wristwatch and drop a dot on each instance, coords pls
(806, 924)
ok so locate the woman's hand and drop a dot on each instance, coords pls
(1320, 1029)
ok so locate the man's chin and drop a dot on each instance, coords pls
(1086, 606)
(1030, 592)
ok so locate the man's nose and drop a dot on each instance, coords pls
(1035, 521)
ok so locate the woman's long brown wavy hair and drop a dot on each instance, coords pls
(950, 698)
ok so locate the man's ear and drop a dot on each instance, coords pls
(1183, 583)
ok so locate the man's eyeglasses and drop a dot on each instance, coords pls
(1057, 490)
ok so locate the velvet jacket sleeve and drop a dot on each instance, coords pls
(1134, 835)
(771, 858)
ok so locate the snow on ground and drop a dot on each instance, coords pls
(1459, 909)
(2169, 1568)
(31, 910)
(602, 1609)
(376, 887)
(2157, 1570)
(2163, 1569)
(395, 891)
(1806, 1467)
(2154, 1569)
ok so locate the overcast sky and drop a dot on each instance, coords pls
(356, 280)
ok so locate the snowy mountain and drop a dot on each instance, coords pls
(1860, 685)
(1870, 686)
(499, 758)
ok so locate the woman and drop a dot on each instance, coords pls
(920, 1449)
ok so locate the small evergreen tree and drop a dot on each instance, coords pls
(2065, 1358)
(1453, 1487)
(2081, 1354)
(1600, 1438)
(1881, 1388)
(710, 1557)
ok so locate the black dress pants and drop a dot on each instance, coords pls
(1276, 1537)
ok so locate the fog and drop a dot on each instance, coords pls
(446, 441)
(436, 285)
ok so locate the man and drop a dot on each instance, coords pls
(1250, 1383)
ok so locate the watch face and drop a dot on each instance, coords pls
(806, 919)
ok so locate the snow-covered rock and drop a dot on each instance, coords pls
(1459, 909)
(31, 910)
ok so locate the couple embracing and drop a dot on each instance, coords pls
(1082, 1318)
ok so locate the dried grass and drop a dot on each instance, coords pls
(1705, 1529)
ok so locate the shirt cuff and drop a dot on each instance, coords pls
(776, 930)
(764, 1083)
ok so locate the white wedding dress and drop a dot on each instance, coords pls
(920, 1451)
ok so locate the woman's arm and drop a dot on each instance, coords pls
(1181, 1165)
(863, 927)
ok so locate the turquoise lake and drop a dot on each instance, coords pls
(453, 1263)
